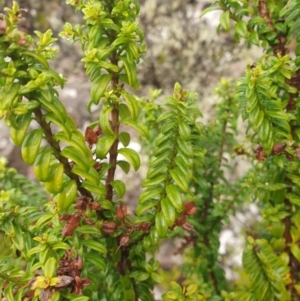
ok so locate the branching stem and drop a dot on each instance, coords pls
(57, 151)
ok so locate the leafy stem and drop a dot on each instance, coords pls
(113, 153)
(57, 151)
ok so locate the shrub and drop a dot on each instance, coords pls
(78, 240)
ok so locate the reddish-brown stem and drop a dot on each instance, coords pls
(263, 11)
(113, 153)
(280, 45)
(57, 151)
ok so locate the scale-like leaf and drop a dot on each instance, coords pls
(174, 195)
(150, 193)
(179, 178)
(168, 211)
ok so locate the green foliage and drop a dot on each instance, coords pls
(77, 240)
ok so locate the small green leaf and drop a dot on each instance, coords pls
(278, 115)
(31, 146)
(125, 166)
(119, 187)
(97, 189)
(42, 220)
(144, 218)
(132, 156)
(150, 193)
(34, 251)
(49, 268)
(8, 293)
(174, 195)
(176, 287)
(96, 261)
(184, 131)
(139, 275)
(154, 181)
(154, 171)
(18, 131)
(52, 117)
(55, 183)
(156, 277)
(60, 246)
(98, 88)
(185, 147)
(91, 175)
(36, 56)
(87, 229)
(104, 121)
(209, 9)
(154, 235)
(124, 138)
(254, 38)
(52, 104)
(241, 29)
(158, 161)
(70, 152)
(179, 178)
(106, 204)
(138, 126)
(264, 131)
(124, 111)
(95, 245)
(132, 104)
(104, 145)
(225, 20)
(77, 140)
(130, 68)
(42, 165)
(161, 225)
(141, 208)
(168, 211)
(66, 197)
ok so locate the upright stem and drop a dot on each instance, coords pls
(280, 48)
(113, 153)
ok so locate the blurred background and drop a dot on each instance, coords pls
(181, 47)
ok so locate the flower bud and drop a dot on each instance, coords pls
(68, 230)
(279, 148)
(124, 240)
(78, 262)
(261, 155)
(90, 136)
(109, 227)
(94, 206)
(144, 227)
(190, 208)
(121, 211)
(81, 204)
(98, 166)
